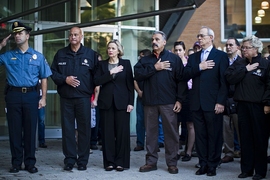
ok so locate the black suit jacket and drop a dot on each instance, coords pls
(209, 86)
(118, 90)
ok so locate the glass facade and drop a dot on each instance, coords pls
(234, 18)
(260, 20)
(133, 34)
(242, 18)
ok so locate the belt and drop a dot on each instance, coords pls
(22, 89)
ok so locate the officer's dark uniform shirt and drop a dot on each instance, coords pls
(24, 69)
(250, 86)
(81, 64)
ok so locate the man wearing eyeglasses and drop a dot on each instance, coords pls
(230, 119)
(207, 99)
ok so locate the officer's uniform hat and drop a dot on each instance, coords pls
(18, 27)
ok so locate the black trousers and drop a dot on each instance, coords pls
(22, 114)
(254, 137)
(78, 109)
(208, 136)
(115, 130)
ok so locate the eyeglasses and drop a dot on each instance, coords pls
(246, 47)
(202, 35)
(229, 45)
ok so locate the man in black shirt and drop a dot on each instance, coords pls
(73, 70)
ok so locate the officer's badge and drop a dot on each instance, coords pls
(15, 24)
(258, 72)
(34, 56)
(85, 62)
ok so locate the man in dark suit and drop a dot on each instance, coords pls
(207, 99)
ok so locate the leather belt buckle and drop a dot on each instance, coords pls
(24, 90)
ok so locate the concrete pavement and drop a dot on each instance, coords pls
(50, 166)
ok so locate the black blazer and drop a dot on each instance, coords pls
(209, 86)
(118, 90)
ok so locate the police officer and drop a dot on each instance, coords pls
(24, 67)
(73, 69)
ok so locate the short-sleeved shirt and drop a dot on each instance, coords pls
(24, 69)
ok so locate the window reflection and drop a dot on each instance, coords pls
(234, 18)
(93, 10)
(260, 19)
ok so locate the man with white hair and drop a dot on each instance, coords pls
(207, 99)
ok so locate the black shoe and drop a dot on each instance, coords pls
(244, 175)
(93, 147)
(42, 145)
(186, 157)
(211, 171)
(197, 165)
(109, 168)
(82, 167)
(194, 154)
(257, 177)
(68, 167)
(173, 169)
(15, 169)
(119, 168)
(202, 170)
(31, 169)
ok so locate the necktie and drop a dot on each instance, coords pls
(204, 55)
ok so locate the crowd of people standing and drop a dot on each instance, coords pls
(220, 97)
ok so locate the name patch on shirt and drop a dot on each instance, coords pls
(62, 63)
(85, 62)
(13, 58)
(258, 72)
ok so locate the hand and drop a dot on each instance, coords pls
(140, 94)
(129, 108)
(209, 64)
(94, 103)
(266, 109)
(219, 108)
(177, 107)
(162, 65)
(72, 81)
(251, 67)
(4, 42)
(116, 69)
(41, 103)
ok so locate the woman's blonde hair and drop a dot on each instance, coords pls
(119, 46)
